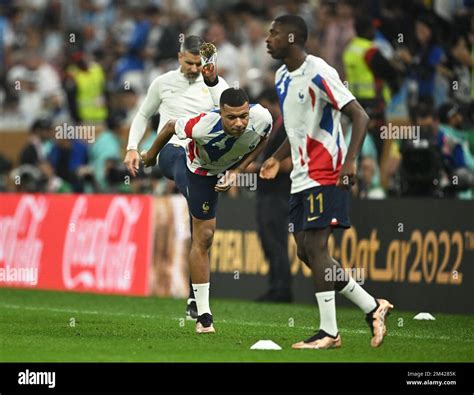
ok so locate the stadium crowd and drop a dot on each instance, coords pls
(90, 62)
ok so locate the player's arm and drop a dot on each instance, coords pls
(252, 156)
(137, 130)
(272, 165)
(216, 84)
(360, 121)
(248, 159)
(149, 157)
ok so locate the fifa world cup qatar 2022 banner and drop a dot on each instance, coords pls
(418, 253)
(84, 243)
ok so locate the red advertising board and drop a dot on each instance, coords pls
(90, 243)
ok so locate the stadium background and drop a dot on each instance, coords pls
(133, 233)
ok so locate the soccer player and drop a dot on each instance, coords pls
(313, 98)
(228, 139)
(178, 93)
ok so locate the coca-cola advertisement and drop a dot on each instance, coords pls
(89, 243)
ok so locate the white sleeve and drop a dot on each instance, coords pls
(216, 91)
(148, 108)
(186, 128)
(264, 122)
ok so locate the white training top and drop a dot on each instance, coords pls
(311, 98)
(211, 151)
(174, 96)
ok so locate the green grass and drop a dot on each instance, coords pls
(36, 326)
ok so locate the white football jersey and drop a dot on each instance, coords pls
(311, 98)
(173, 96)
(211, 151)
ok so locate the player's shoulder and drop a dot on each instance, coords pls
(206, 121)
(260, 118)
(319, 66)
(260, 112)
(164, 79)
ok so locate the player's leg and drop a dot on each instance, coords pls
(172, 163)
(191, 307)
(314, 248)
(203, 233)
(202, 203)
(376, 310)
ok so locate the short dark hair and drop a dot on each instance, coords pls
(268, 94)
(296, 25)
(191, 44)
(233, 97)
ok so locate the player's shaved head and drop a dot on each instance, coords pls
(295, 25)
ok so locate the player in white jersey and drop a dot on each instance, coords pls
(228, 139)
(177, 93)
(312, 98)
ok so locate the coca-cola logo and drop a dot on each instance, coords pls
(20, 247)
(98, 252)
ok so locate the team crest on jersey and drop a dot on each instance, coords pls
(205, 207)
(252, 146)
(301, 96)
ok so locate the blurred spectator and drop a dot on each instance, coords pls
(422, 166)
(227, 53)
(368, 74)
(5, 167)
(106, 146)
(338, 32)
(253, 59)
(369, 185)
(369, 171)
(69, 160)
(143, 38)
(86, 90)
(273, 196)
(425, 60)
(460, 62)
(455, 140)
(37, 85)
(39, 144)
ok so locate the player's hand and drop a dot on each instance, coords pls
(225, 182)
(132, 161)
(208, 54)
(347, 175)
(209, 72)
(147, 159)
(270, 168)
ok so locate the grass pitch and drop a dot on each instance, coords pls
(44, 326)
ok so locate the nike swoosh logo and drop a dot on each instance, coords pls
(313, 218)
(328, 300)
(195, 290)
(352, 288)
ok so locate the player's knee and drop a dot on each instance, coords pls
(205, 238)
